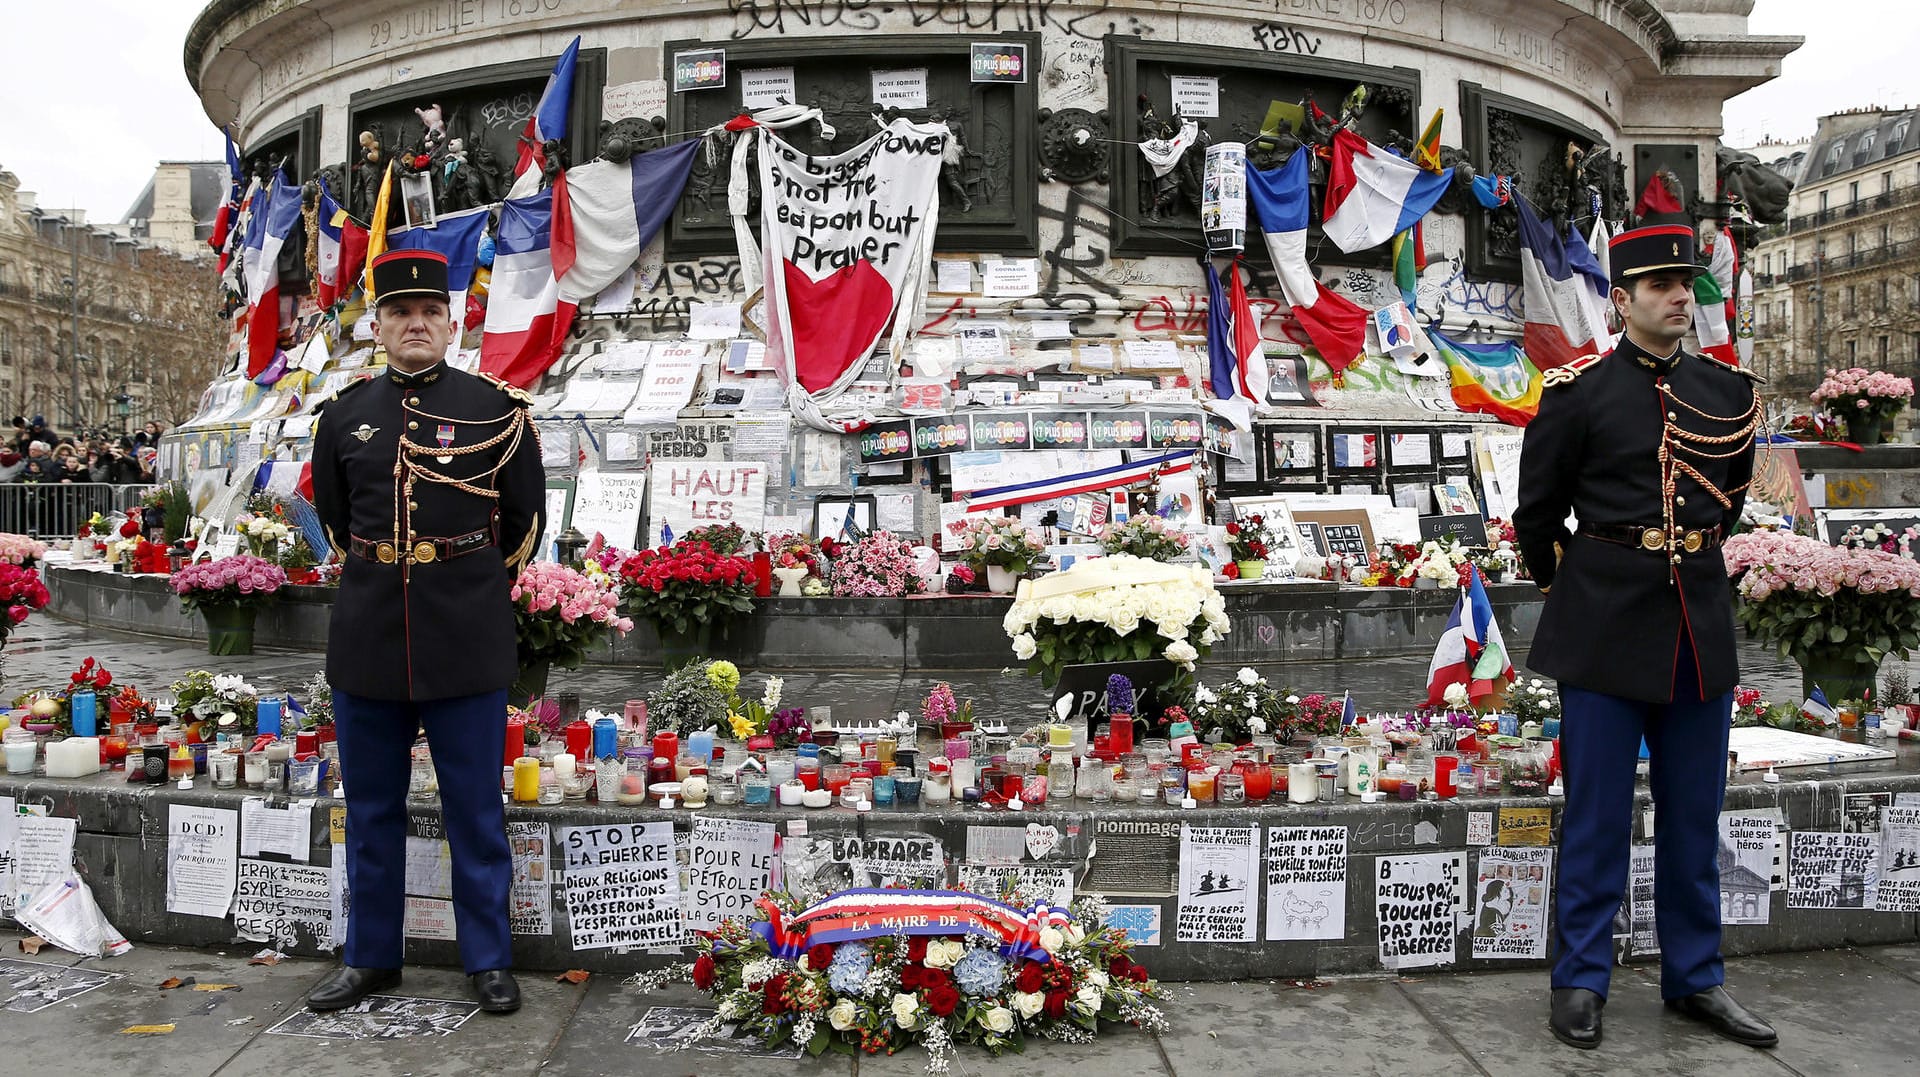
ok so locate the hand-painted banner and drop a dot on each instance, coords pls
(866, 913)
(847, 252)
(944, 435)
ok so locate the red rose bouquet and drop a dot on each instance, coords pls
(686, 585)
(21, 593)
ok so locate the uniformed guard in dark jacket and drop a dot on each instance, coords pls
(429, 483)
(1650, 449)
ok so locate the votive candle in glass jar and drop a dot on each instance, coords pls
(1230, 788)
(756, 790)
(1303, 783)
(1200, 784)
(883, 790)
(806, 770)
(906, 789)
(1258, 778)
(938, 788)
(303, 778)
(225, 767)
(256, 769)
(607, 774)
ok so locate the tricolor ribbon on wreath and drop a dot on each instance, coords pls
(866, 913)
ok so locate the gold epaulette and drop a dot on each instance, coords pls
(1724, 365)
(520, 396)
(1564, 375)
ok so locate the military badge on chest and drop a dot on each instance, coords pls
(365, 433)
(444, 435)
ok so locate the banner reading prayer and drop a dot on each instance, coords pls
(848, 241)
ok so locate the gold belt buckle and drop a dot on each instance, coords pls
(1694, 541)
(424, 553)
(1653, 539)
(386, 553)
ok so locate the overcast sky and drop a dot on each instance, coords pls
(96, 96)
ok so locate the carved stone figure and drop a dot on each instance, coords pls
(556, 162)
(953, 164)
(1764, 191)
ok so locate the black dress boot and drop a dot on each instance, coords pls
(348, 985)
(1716, 1009)
(1575, 1017)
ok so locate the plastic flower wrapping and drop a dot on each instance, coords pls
(1116, 608)
(21, 593)
(1011, 972)
(237, 580)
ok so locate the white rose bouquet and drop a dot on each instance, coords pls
(1116, 609)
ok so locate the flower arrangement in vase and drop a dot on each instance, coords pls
(22, 550)
(229, 593)
(1836, 610)
(797, 561)
(1863, 399)
(1003, 547)
(1243, 708)
(558, 613)
(690, 699)
(225, 702)
(1248, 542)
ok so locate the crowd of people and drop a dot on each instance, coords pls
(34, 452)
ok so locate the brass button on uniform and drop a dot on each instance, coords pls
(415, 505)
(413, 401)
(1678, 500)
(1671, 416)
(413, 426)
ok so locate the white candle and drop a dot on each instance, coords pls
(816, 798)
(1303, 783)
(791, 794)
(565, 766)
(73, 757)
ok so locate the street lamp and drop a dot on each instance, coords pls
(71, 285)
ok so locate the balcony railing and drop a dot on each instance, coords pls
(1884, 200)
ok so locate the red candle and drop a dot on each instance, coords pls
(516, 745)
(1259, 781)
(1120, 734)
(1446, 776)
(763, 575)
(579, 739)
(666, 745)
(1012, 785)
(306, 743)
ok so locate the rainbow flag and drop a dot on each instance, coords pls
(1494, 379)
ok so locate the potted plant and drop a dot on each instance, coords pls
(1114, 609)
(228, 593)
(1248, 540)
(690, 699)
(1863, 399)
(1144, 536)
(943, 714)
(166, 508)
(1004, 547)
(558, 613)
(1836, 610)
(685, 589)
(880, 565)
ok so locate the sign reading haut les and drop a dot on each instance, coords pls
(683, 495)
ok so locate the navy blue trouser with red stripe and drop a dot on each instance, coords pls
(467, 735)
(1686, 740)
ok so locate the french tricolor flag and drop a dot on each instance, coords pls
(1238, 365)
(275, 213)
(1471, 651)
(1373, 195)
(1280, 198)
(549, 121)
(1083, 482)
(1564, 291)
(520, 342)
(330, 220)
(606, 212)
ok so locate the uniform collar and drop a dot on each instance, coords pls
(413, 381)
(1660, 365)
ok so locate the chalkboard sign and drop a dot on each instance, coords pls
(1087, 685)
(1469, 528)
(608, 502)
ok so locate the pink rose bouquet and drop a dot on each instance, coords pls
(241, 580)
(1811, 599)
(880, 565)
(559, 612)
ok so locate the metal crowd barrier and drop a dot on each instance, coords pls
(56, 510)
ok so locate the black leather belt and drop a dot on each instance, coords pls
(1654, 539)
(421, 551)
